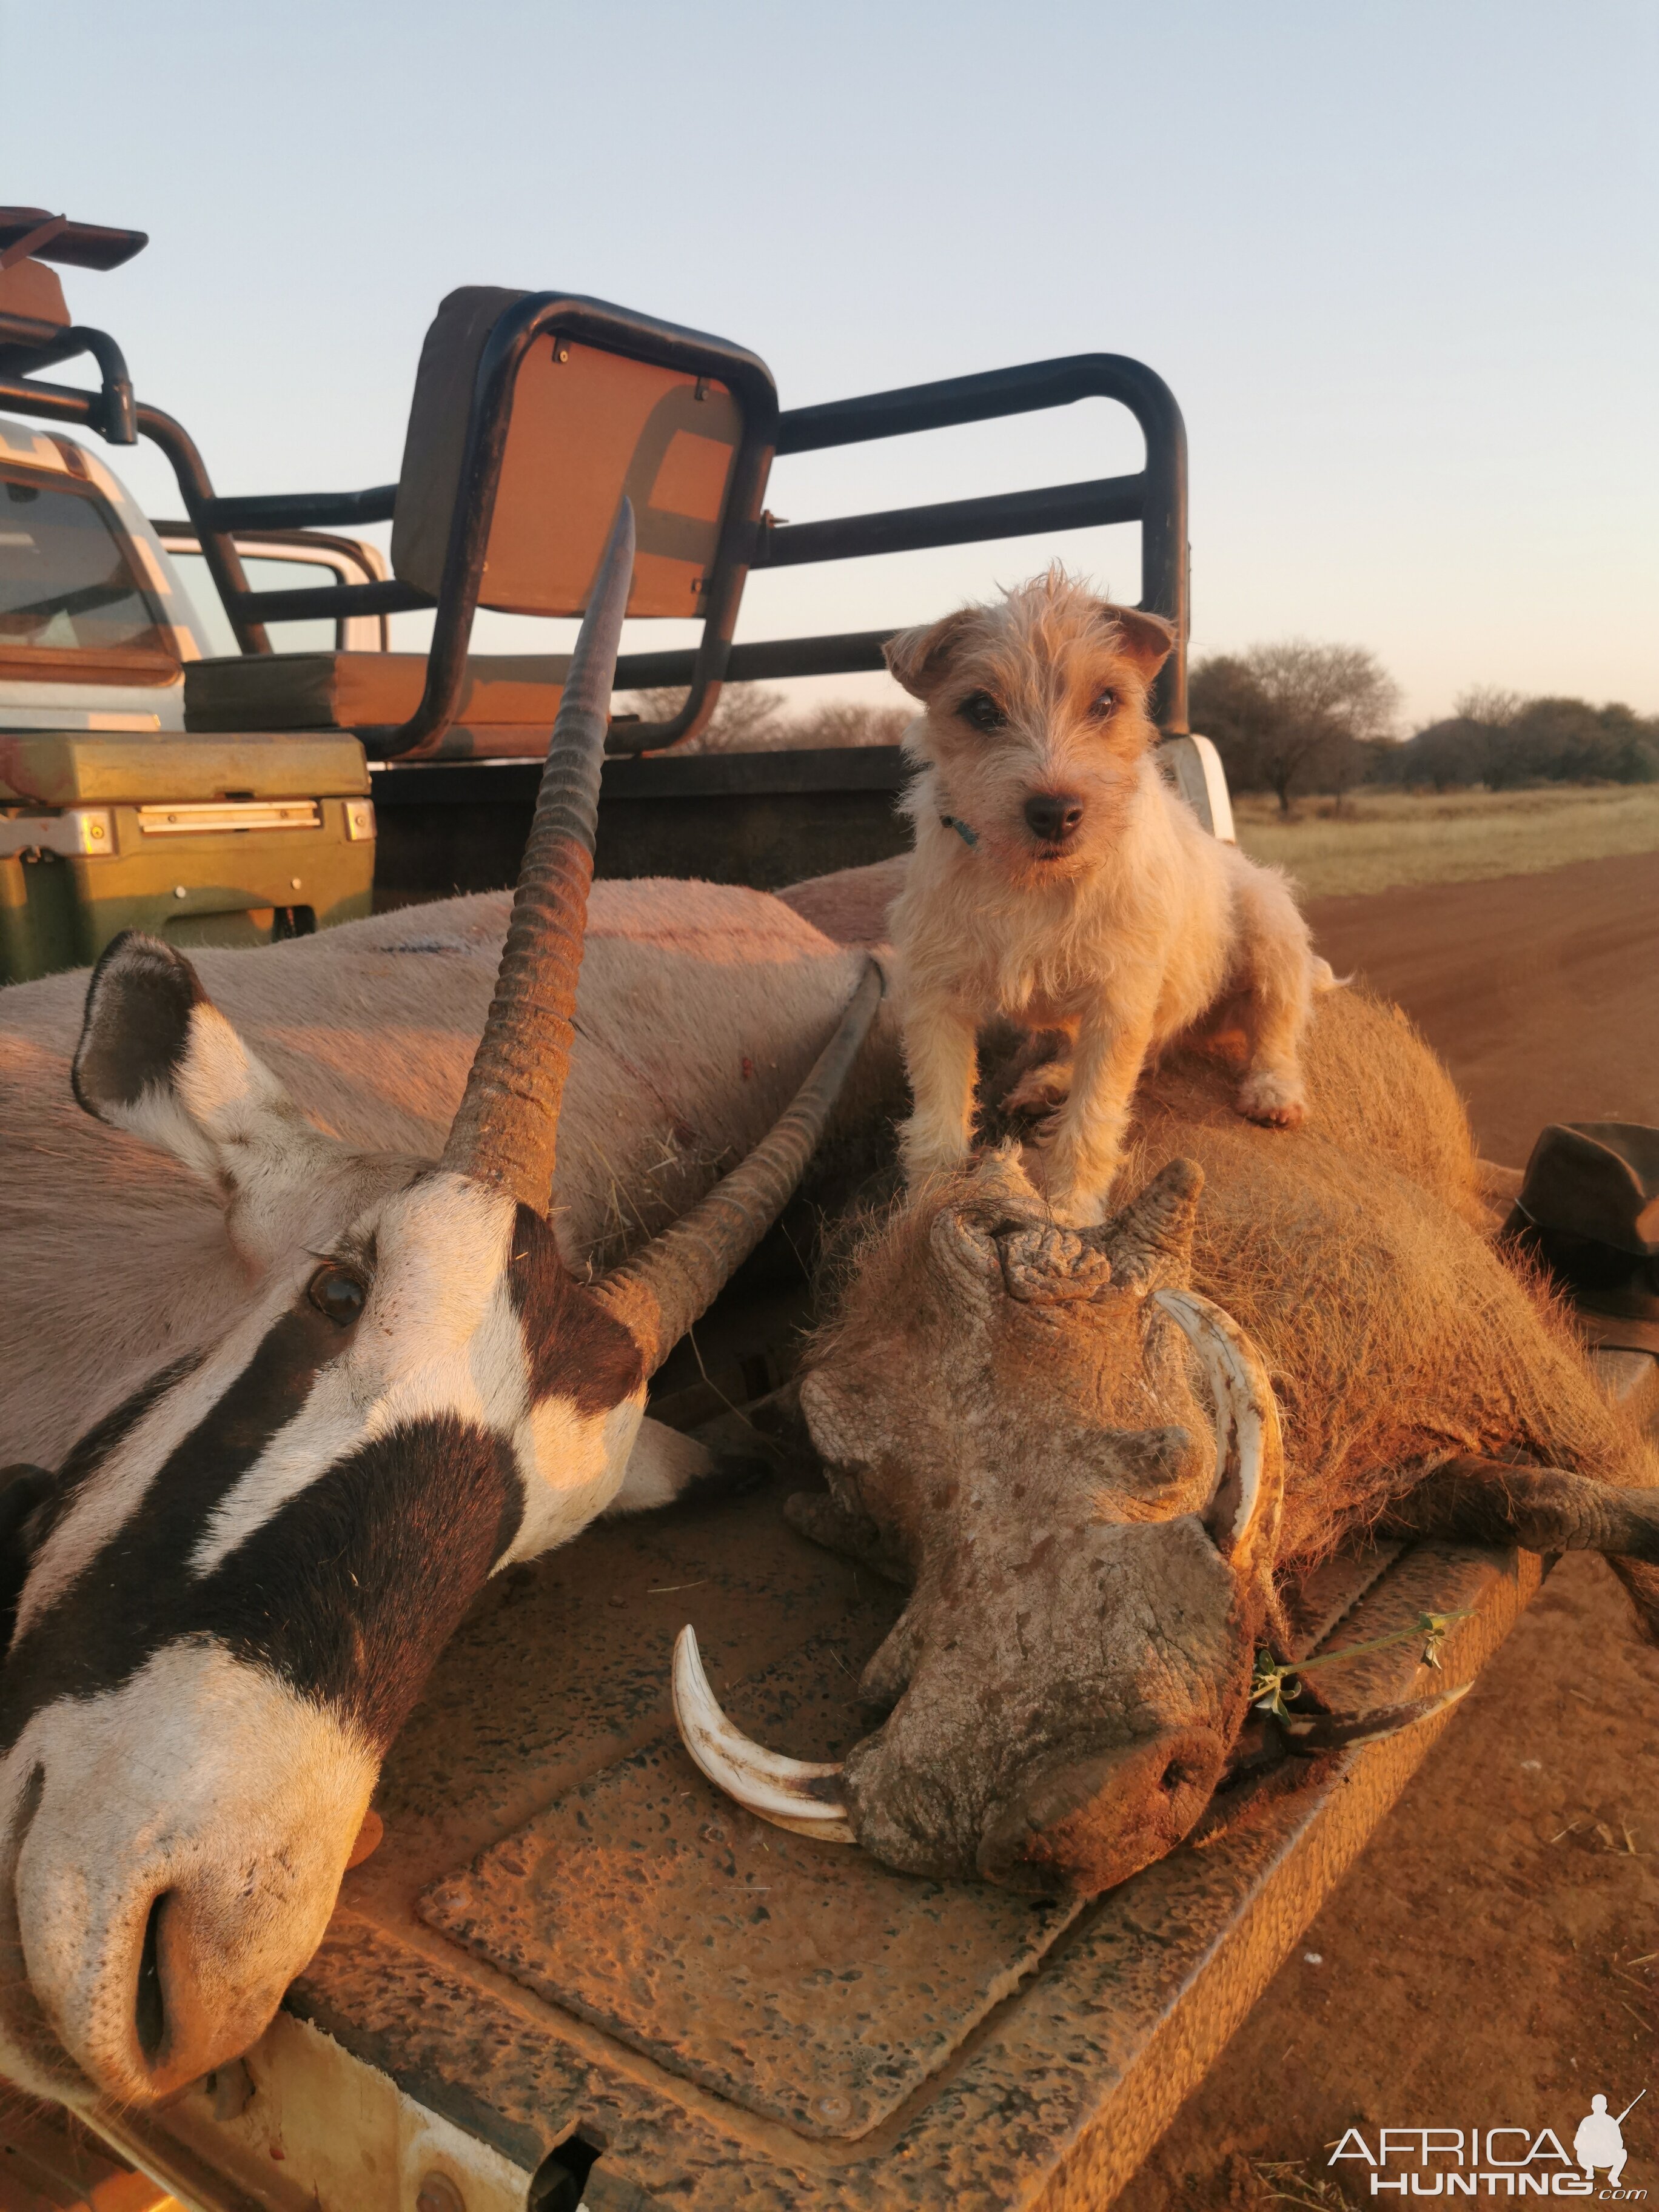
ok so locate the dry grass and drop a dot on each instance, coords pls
(1382, 838)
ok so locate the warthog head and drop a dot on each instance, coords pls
(1012, 1419)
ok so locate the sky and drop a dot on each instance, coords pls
(1398, 262)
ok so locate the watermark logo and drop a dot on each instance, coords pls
(1600, 2141)
(1498, 2161)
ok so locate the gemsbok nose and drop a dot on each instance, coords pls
(159, 1930)
(1053, 817)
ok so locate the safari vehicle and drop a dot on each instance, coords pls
(570, 1972)
(451, 740)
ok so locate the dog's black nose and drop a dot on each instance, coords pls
(1052, 815)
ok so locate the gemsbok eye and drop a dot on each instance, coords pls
(337, 1295)
(980, 712)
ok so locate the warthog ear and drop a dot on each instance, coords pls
(1151, 1240)
(157, 1058)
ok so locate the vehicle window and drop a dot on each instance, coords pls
(210, 617)
(65, 580)
(265, 573)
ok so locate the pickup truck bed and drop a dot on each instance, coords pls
(566, 1931)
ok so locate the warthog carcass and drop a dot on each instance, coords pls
(293, 1386)
(1015, 1419)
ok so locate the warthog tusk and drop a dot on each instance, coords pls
(797, 1794)
(1311, 1734)
(1249, 1465)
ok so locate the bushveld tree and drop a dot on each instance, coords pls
(1296, 715)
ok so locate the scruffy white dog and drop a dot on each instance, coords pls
(1060, 882)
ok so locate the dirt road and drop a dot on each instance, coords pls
(1493, 1958)
(1540, 992)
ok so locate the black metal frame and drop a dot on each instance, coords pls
(254, 542)
(45, 345)
(1155, 496)
(62, 403)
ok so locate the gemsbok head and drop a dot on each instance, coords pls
(227, 1599)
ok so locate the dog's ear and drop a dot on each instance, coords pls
(1145, 641)
(920, 659)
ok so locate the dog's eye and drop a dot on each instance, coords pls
(337, 1295)
(1103, 705)
(981, 711)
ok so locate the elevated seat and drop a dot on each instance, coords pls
(533, 415)
(506, 705)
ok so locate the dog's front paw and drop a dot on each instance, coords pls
(1272, 1097)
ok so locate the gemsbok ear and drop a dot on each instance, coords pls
(157, 1058)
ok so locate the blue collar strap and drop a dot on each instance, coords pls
(970, 837)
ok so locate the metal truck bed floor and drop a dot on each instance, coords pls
(566, 1929)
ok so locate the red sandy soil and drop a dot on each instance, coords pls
(1540, 993)
(1493, 1958)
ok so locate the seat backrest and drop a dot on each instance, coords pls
(586, 426)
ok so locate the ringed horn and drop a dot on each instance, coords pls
(506, 1128)
(804, 1795)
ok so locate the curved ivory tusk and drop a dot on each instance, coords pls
(1314, 1733)
(797, 1794)
(1249, 1457)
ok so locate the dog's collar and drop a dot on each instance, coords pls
(970, 837)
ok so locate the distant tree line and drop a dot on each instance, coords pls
(1300, 718)
(1294, 718)
(1497, 739)
(753, 719)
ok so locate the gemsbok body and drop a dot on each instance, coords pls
(302, 1344)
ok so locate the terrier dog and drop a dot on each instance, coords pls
(1060, 882)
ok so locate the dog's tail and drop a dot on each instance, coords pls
(1324, 977)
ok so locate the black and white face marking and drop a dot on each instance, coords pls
(238, 1583)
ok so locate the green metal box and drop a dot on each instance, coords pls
(199, 840)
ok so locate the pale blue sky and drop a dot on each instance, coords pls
(1397, 260)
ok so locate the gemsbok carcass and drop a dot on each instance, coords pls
(287, 1396)
(1095, 1457)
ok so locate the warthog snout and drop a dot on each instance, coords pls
(1087, 1823)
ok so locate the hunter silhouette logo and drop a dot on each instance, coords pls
(1499, 2161)
(1600, 2141)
